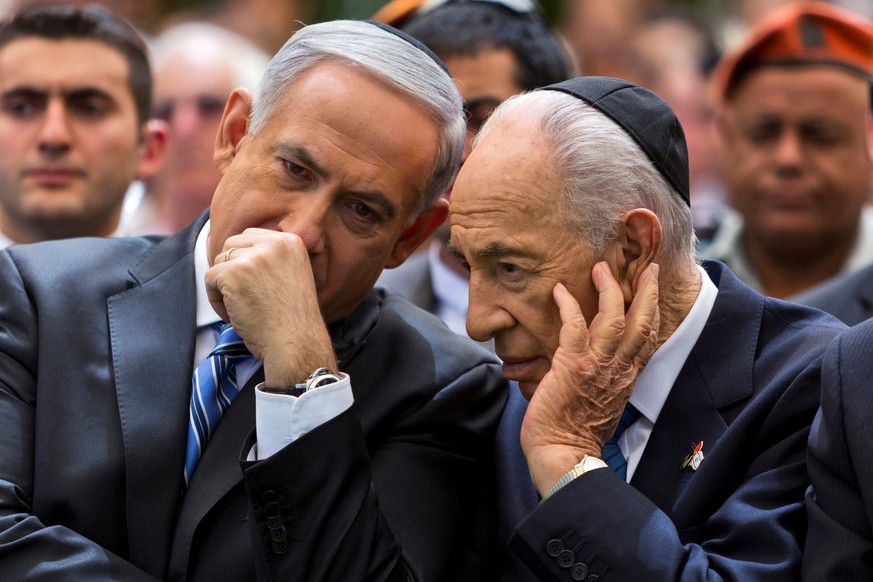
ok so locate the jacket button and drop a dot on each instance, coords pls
(271, 509)
(579, 571)
(566, 559)
(279, 534)
(554, 548)
(280, 547)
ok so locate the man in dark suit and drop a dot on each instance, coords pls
(573, 208)
(116, 464)
(850, 297)
(839, 544)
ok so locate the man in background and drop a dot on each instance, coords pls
(196, 66)
(793, 106)
(493, 51)
(76, 93)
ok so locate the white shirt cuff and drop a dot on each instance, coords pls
(281, 419)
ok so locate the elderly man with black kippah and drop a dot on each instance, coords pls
(669, 403)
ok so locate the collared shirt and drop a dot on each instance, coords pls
(279, 418)
(727, 247)
(450, 290)
(654, 383)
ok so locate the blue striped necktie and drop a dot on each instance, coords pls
(611, 453)
(213, 390)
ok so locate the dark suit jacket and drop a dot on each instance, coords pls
(850, 297)
(96, 355)
(839, 545)
(749, 391)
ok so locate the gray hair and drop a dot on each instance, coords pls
(247, 62)
(392, 61)
(605, 174)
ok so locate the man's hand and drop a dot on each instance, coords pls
(262, 283)
(577, 405)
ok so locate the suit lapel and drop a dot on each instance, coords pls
(152, 352)
(217, 472)
(696, 408)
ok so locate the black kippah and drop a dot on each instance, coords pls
(416, 43)
(644, 116)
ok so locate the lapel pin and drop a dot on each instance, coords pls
(694, 458)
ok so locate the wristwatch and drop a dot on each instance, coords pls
(586, 464)
(317, 379)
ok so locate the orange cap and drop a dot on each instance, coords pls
(397, 12)
(800, 33)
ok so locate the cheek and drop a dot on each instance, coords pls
(539, 314)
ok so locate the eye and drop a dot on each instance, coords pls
(20, 107)
(294, 169)
(362, 210)
(89, 106)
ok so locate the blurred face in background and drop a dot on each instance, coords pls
(70, 140)
(798, 158)
(191, 89)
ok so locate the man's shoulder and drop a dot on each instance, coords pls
(53, 259)
(849, 298)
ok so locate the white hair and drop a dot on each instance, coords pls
(604, 172)
(247, 62)
(390, 59)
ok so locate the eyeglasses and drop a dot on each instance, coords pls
(206, 106)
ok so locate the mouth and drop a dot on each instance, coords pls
(517, 368)
(53, 176)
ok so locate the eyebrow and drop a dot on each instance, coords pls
(376, 198)
(80, 93)
(489, 251)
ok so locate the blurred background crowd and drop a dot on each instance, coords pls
(202, 49)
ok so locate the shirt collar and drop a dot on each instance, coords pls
(656, 380)
(205, 314)
(449, 288)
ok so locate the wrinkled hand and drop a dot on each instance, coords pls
(577, 405)
(265, 288)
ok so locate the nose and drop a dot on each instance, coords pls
(308, 221)
(789, 150)
(186, 118)
(54, 136)
(485, 316)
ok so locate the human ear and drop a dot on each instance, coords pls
(232, 128)
(417, 232)
(153, 148)
(636, 246)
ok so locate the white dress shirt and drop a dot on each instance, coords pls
(279, 418)
(656, 380)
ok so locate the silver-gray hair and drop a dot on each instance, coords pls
(246, 61)
(392, 61)
(605, 174)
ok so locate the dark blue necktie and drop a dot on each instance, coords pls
(611, 453)
(214, 388)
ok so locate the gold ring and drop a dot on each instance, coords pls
(227, 254)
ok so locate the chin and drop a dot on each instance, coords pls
(527, 389)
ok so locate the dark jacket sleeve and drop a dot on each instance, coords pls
(29, 548)
(839, 544)
(391, 489)
(754, 530)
